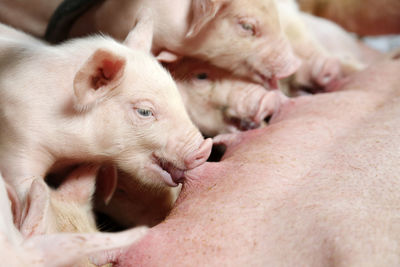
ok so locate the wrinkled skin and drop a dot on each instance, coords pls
(218, 102)
(318, 186)
(103, 109)
(364, 17)
(241, 36)
(52, 249)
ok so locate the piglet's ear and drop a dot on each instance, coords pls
(34, 219)
(203, 11)
(79, 186)
(141, 36)
(15, 204)
(167, 57)
(99, 75)
(106, 182)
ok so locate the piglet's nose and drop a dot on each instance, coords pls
(199, 156)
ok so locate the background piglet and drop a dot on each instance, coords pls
(29, 249)
(321, 67)
(95, 100)
(244, 37)
(65, 209)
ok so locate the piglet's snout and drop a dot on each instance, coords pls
(199, 156)
(269, 104)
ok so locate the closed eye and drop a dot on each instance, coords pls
(202, 76)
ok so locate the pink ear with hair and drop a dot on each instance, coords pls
(79, 185)
(99, 75)
(203, 11)
(141, 36)
(34, 220)
(15, 204)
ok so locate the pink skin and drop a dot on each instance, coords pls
(104, 110)
(219, 102)
(316, 186)
(243, 37)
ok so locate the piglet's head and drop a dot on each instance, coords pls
(242, 36)
(135, 114)
(219, 102)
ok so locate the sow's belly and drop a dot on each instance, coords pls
(319, 186)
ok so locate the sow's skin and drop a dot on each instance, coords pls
(95, 100)
(318, 187)
(242, 36)
(52, 250)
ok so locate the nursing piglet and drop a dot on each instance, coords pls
(93, 100)
(219, 102)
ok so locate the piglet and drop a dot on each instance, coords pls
(17, 249)
(219, 102)
(93, 100)
(244, 37)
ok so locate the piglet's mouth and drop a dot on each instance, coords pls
(171, 175)
(242, 124)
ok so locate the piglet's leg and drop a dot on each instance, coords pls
(65, 249)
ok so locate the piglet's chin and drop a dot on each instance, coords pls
(166, 176)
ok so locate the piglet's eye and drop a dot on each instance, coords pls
(144, 112)
(250, 28)
(202, 76)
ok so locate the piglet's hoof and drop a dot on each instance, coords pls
(325, 71)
